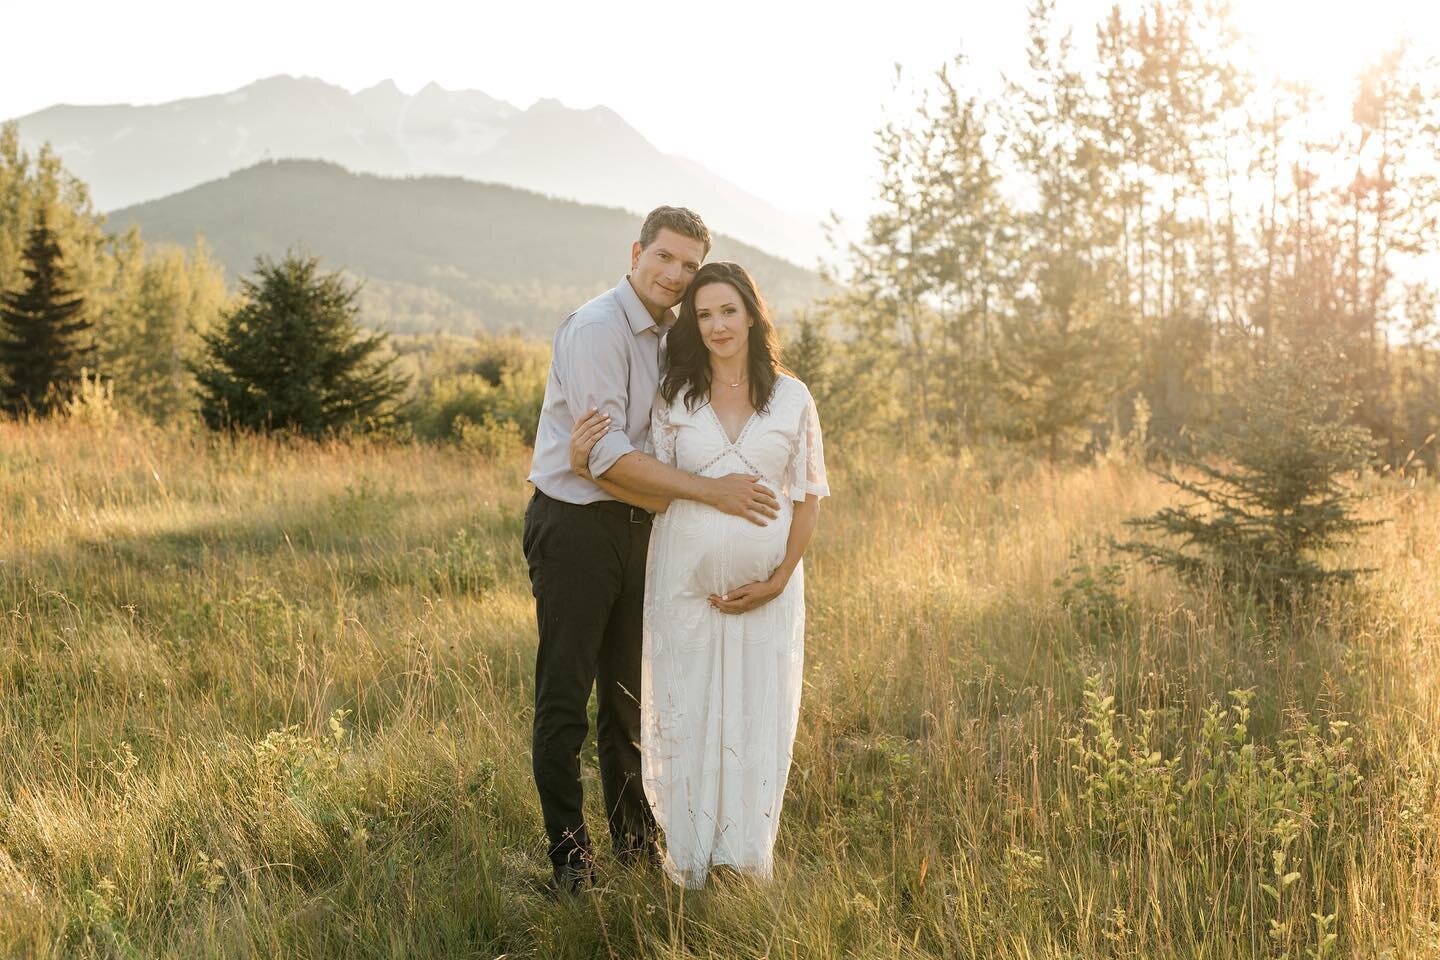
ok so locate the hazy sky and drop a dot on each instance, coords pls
(779, 97)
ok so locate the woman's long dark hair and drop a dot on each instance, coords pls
(689, 360)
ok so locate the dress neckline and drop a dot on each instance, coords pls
(721, 427)
(745, 427)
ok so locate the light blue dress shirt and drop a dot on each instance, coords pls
(609, 354)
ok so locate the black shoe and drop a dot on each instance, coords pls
(570, 879)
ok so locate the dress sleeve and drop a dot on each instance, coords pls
(807, 456)
(662, 432)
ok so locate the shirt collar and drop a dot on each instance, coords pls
(635, 312)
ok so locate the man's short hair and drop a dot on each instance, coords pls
(682, 220)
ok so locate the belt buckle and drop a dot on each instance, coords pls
(639, 515)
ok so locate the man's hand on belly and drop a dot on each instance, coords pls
(743, 495)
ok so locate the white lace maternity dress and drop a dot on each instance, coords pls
(720, 693)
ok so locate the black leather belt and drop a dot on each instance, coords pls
(632, 514)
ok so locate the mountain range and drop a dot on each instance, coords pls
(132, 154)
(435, 253)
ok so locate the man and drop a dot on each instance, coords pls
(586, 549)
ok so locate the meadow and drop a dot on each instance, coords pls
(270, 699)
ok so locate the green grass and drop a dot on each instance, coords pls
(270, 700)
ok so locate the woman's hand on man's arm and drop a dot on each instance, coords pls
(583, 436)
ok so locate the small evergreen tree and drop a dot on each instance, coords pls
(851, 377)
(1053, 376)
(292, 357)
(807, 354)
(44, 336)
(1271, 492)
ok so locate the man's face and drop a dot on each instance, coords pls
(661, 272)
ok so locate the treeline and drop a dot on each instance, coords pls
(98, 325)
(1104, 252)
(1100, 258)
(140, 309)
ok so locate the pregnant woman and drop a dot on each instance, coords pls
(724, 597)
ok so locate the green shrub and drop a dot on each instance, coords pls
(1286, 817)
(485, 394)
(1271, 492)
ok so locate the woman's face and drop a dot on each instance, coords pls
(723, 320)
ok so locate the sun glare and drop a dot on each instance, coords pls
(1325, 44)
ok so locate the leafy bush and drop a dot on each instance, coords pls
(1286, 817)
(491, 438)
(1092, 596)
(484, 393)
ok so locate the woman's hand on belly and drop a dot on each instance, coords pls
(748, 597)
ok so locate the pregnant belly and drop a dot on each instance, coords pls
(725, 552)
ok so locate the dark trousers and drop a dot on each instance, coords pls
(587, 571)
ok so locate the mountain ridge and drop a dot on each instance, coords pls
(131, 153)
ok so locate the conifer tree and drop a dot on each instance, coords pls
(44, 336)
(1268, 491)
(292, 357)
(834, 372)
(807, 354)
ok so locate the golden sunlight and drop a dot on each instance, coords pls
(1325, 44)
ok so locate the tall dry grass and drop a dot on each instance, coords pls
(260, 699)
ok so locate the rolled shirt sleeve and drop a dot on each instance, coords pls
(606, 356)
(607, 452)
(595, 374)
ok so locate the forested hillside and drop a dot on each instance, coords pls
(435, 252)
